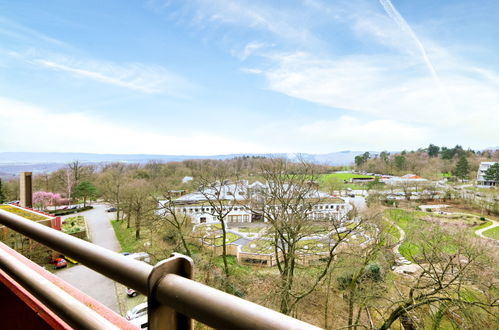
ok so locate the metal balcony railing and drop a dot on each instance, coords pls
(173, 298)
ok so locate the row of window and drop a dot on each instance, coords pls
(211, 209)
(208, 209)
(329, 207)
(239, 218)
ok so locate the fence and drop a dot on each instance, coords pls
(173, 298)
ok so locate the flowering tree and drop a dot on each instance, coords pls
(42, 199)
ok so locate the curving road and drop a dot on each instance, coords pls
(88, 281)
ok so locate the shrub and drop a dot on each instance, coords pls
(483, 219)
(70, 211)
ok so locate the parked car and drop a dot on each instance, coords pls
(112, 209)
(141, 322)
(137, 311)
(131, 292)
(59, 263)
(140, 256)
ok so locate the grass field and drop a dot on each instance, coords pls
(344, 176)
(482, 225)
(492, 233)
(73, 224)
(341, 177)
(126, 237)
(410, 222)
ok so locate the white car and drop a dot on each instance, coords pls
(140, 256)
(141, 322)
(137, 311)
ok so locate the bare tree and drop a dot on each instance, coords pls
(454, 276)
(290, 204)
(179, 221)
(220, 186)
(361, 267)
(139, 204)
(111, 182)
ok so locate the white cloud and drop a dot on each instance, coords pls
(249, 49)
(258, 16)
(348, 132)
(31, 128)
(144, 78)
(16, 31)
(388, 86)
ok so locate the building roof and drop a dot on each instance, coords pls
(236, 192)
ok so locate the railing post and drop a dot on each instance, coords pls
(161, 316)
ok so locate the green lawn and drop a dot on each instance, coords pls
(411, 223)
(248, 229)
(492, 233)
(73, 224)
(393, 232)
(259, 246)
(312, 246)
(483, 225)
(126, 237)
(344, 176)
(23, 213)
(230, 237)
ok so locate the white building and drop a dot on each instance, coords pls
(484, 166)
(235, 201)
(408, 178)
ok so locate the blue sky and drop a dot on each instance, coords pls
(215, 77)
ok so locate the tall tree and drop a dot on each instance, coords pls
(288, 203)
(170, 213)
(492, 173)
(111, 182)
(222, 196)
(462, 168)
(400, 162)
(85, 190)
(139, 206)
(433, 150)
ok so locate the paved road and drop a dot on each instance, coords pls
(90, 282)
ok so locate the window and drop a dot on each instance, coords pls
(246, 218)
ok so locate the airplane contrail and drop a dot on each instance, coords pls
(402, 23)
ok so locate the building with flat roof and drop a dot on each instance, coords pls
(480, 176)
(235, 199)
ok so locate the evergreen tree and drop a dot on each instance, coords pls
(462, 167)
(85, 190)
(492, 173)
(400, 162)
(433, 150)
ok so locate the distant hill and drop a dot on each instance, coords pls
(11, 163)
